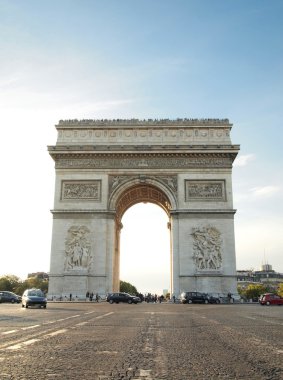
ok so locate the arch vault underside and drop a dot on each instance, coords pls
(103, 167)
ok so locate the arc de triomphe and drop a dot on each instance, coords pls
(103, 167)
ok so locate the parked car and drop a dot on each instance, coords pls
(34, 297)
(6, 296)
(122, 297)
(270, 299)
(194, 297)
(213, 298)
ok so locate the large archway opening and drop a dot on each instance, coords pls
(145, 249)
(152, 245)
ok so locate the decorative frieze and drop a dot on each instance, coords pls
(207, 247)
(154, 161)
(81, 190)
(149, 136)
(205, 190)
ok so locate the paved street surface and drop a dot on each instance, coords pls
(146, 341)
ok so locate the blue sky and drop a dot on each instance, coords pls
(142, 59)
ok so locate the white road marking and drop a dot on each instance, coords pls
(30, 327)
(104, 315)
(32, 341)
(64, 319)
(8, 332)
(55, 333)
(62, 331)
(245, 316)
(23, 344)
(81, 323)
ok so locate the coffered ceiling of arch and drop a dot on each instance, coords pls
(141, 193)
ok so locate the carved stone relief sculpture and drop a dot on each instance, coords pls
(207, 245)
(205, 190)
(77, 248)
(81, 190)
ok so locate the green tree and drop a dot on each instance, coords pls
(35, 282)
(10, 282)
(14, 284)
(128, 288)
(280, 289)
(254, 291)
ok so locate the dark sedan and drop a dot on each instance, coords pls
(34, 297)
(6, 296)
(122, 297)
(194, 297)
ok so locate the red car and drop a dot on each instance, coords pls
(270, 299)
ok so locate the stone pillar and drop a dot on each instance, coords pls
(175, 263)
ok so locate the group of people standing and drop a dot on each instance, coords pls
(152, 298)
(92, 297)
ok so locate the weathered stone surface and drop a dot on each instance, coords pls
(103, 167)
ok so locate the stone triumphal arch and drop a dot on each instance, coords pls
(103, 167)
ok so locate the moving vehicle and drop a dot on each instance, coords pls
(34, 297)
(194, 297)
(6, 296)
(122, 297)
(270, 299)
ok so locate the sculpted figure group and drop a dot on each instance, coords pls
(77, 251)
(207, 248)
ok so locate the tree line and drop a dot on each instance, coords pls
(253, 291)
(12, 283)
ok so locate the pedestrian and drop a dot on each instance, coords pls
(97, 297)
(174, 299)
(70, 296)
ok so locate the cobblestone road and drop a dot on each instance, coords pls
(73, 341)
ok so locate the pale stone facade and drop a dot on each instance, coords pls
(103, 167)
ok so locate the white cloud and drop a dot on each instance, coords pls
(264, 191)
(244, 160)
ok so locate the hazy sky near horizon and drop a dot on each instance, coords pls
(140, 59)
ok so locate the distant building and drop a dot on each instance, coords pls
(265, 276)
(39, 275)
